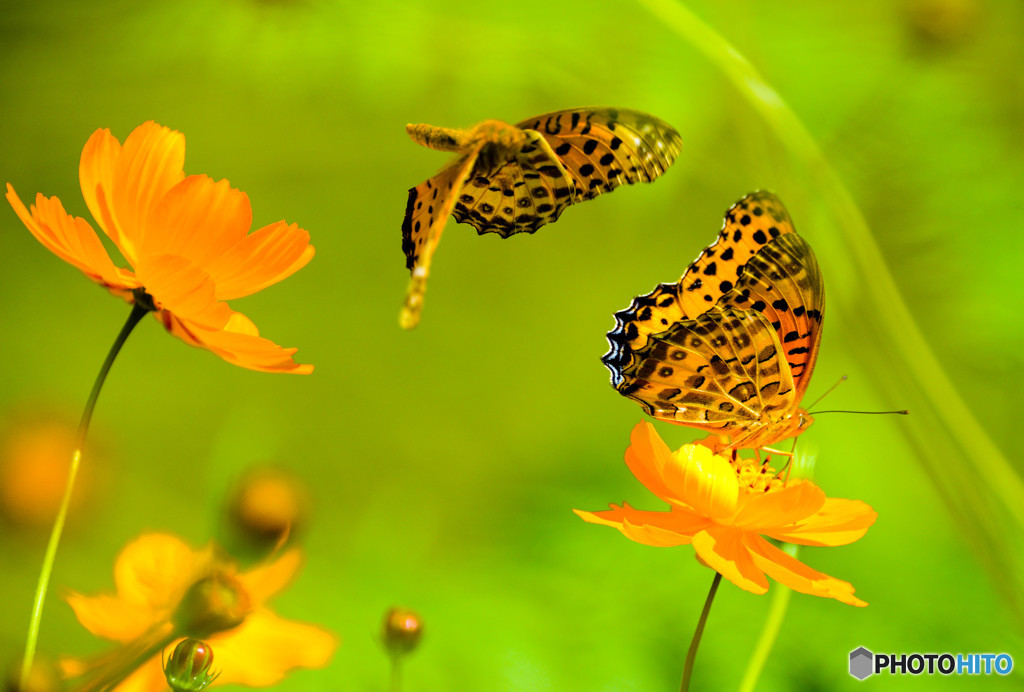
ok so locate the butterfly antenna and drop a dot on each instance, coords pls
(904, 412)
(828, 391)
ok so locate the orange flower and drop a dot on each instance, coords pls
(186, 238)
(725, 512)
(167, 591)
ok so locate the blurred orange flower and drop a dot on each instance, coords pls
(725, 512)
(186, 238)
(167, 591)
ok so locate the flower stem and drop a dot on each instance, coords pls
(58, 524)
(396, 673)
(691, 655)
(776, 614)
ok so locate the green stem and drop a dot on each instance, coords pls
(396, 673)
(691, 655)
(58, 524)
(776, 614)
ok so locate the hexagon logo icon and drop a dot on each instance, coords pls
(861, 663)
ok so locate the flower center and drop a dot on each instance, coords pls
(756, 478)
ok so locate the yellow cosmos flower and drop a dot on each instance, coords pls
(186, 238)
(167, 591)
(725, 512)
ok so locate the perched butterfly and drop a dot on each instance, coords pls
(512, 179)
(730, 347)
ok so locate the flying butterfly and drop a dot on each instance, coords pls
(512, 179)
(730, 347)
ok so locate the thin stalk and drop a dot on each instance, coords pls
(691, 655)
(58, 524)
(776, 614)
(396, 673)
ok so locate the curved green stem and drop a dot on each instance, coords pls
(58, 524)
(691, 655)
(973, 477)
(770, 632)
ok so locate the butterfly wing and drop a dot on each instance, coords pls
(717, 372)
(521, 195)
(426, 213)
(603, 148)
(749, 224)
(783, 282)
(719, 368)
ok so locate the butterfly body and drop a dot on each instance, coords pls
(511, 179)
(730, 347)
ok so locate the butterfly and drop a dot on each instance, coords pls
(730, 347)
(512, 179)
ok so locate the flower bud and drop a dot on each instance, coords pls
(212, 604)
(401, 631)
(188, 668)
(268, 505)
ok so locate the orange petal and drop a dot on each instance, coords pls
(153, 571)
(96, 175)
(659, 529)
(838, 522)
(198, 219)
(72, 239)
(151, 162)
(261, 650)
(705, 481)
(266, 580)
(149, 677)
(647, 456)
(764, 511)
(183, 289)
(722, 549)
(238, 343)
(261, 259)
(111, 617)
(786, 569)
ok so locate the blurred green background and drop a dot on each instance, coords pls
(443, 463)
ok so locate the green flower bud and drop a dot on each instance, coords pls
(187, 670)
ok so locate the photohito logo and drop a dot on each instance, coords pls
(863, 664)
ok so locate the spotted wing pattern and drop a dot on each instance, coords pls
(603, 148)
(426, 213)
(749, 224)
(516, 179)
(751, 352)
(525, 192)
(715, 372)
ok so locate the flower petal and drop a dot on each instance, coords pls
(149, 677)
(111, 617)
(266, 580)
(763, 511)
(838, 522)
(722, 549)
(647, 456)
(153, 571)
(96, 175)
(183, 289)
(239, 343)
(786, 569)
(261, 259)
(704, 481)
(151, 162)
(72, 239)
(198, 219)
(263, 648)
(659, 529)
